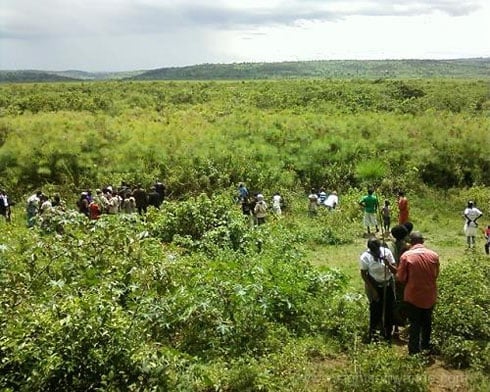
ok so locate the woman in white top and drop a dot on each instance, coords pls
(471, 215)
(276, 204)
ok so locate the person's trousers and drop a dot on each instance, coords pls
(420, 328)
(382, 309)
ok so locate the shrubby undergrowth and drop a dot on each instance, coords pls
(192, 298)
(462, 324)
(275, 135)
(125, 302)
(379, 369)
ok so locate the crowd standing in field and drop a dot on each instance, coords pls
(321, 199)
(106, 200)
(400, 280)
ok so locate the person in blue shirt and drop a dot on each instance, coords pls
(242, 192)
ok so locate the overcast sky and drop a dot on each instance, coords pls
(119, 35)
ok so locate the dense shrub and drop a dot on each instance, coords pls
(201, 137)
(461, 323)
(106, 304)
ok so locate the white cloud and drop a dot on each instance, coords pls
(129, 34)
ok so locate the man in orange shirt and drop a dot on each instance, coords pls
(418, 271)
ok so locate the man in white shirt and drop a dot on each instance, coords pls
(4, 205)
(276, 204)
(32, 207)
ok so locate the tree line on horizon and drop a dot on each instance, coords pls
(334, 69)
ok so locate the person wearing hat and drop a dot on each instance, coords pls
(471, 214)
(418, 271)
(260, 209)
(312, 203)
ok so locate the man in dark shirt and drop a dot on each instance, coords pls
(141, 199)
(154, 198)
(160, 189)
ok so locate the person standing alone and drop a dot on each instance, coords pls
(418, 271)
(486, 233)
(4, 205)
(471, 215)
(402, 208)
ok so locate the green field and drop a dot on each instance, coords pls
(190, 297)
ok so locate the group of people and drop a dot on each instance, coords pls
(370, 206)
(107, 200)
(401, 284)
(400, 281)
(255, 208)
(38, 203)
(321, 199)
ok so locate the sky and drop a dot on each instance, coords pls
(124, 35)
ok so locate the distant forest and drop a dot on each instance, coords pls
(476, 68)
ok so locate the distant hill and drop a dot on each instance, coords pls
(29, 76)
(476, 68)
(82, 75)
(339, 69)
(34, 76)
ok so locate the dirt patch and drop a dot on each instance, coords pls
(442, 379)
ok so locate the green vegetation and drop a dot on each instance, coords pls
(191, 298)
(476, 68)
(336, 69)
(203, 136)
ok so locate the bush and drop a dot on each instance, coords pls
(106, 304)
(461, 323)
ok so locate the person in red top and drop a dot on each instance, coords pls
(487, 240)
(418, 271)
(94, 210)
(402, 208)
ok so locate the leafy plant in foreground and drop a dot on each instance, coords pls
(461, 323)
(380, 369)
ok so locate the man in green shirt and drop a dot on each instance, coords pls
(369, 203)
